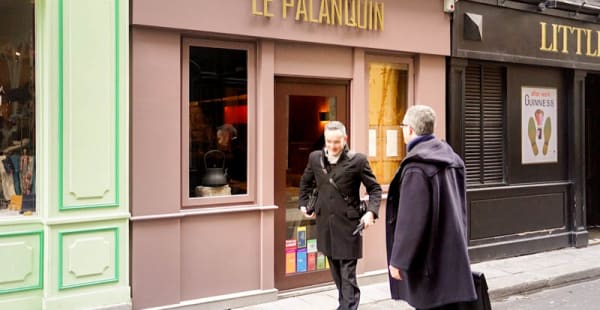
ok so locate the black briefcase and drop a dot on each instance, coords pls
(483, 298)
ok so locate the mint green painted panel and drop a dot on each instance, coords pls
(114, 297)
(26, 302)
(88, 109)
(21, 256)
(88, 257)
(22, 265)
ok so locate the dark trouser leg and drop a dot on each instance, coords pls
(453, 306)
(344, 274)
(350, 288)
(336, 274)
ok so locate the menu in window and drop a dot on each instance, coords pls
(311, 245)
(301, 236)
(320, 261)
(290, 256)
(312, 261)
(391, 146)
(372, 142)
(301, 260)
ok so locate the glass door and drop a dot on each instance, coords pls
(302, 108)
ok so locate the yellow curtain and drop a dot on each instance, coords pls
(388, 87)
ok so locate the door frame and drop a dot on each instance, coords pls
(284, 86)
(592, 198)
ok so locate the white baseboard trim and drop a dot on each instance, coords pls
(228, 301)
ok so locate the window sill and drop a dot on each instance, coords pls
(203, 211)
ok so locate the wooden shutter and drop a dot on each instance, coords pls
(483, 121)
(472, 121)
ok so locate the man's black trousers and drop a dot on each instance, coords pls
(343, 272)
(453, 306)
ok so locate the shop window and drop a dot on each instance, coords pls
(17, 108)
(483, 122)
(388, 99)
(216, 98)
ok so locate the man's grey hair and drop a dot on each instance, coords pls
(336, 125)
(421, 119)
(229, 129)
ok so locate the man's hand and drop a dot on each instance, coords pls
(395, 273)
(368, 219)
(303, 210)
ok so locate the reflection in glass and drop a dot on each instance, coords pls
(218, 106)
(388, 94)
(308, 116)
(17, 108)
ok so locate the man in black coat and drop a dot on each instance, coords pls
(426, 224)
(338, 172)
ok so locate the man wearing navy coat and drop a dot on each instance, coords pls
(426, 221)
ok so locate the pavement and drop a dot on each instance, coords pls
(505, 277)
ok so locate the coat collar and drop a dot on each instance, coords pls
(346, 155)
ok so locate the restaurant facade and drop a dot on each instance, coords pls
(228, 99)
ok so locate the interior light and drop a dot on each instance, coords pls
(323, 116)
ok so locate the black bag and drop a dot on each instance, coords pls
(362, 207)
(312, 201)
(483, 298)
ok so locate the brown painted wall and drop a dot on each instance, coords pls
(155, 124)
(410, 25)
(220, 254)
(178, 256)
(155, 262)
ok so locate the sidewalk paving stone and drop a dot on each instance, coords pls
(506, 277)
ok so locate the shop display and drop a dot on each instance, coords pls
(301, 254)
(17, 112)
(17, 171)
(17, 159)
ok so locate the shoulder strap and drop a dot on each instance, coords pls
(345, 196)
(317, 188)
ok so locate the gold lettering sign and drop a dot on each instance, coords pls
(555, 38)
(360, 14)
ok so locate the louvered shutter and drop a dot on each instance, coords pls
(484, 124)
(472, 124)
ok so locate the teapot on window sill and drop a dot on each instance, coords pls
(215, 175)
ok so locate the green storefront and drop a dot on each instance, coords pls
(64, 153)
